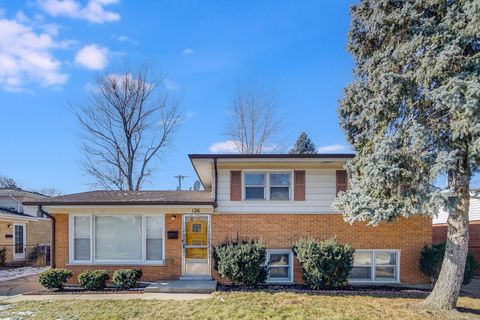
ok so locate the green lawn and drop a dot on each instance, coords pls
(259, 305)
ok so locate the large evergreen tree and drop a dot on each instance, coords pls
(412, 114)
(304, 145)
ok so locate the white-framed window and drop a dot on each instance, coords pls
(110, 239)
(375, 266)
(280, 263)
(273, 186)
(255, 185)
(82, 235)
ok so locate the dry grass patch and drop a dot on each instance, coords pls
(258, 305)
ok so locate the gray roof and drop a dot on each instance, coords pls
(117, 197)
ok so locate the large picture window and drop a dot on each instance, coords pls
(375, 265)
(267, 186)
(117, 238)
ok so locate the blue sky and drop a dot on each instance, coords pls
(51, 52)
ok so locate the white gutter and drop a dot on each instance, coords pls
(19, 203)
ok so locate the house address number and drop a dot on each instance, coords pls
(196, 210)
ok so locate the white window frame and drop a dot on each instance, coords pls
(266, 194)
(373, 266)
(290, 264)
(92, 260)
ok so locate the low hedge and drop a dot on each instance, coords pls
(325, 264)
(54, 278)
(126, 278)
(431, 259)
(241, 261)
(93, 280)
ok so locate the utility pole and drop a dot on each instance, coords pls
(180, 178)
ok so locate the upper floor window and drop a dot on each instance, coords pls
(255, 186)
(267, 185)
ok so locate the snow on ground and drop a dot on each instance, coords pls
(15, 273)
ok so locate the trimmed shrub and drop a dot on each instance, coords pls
(126, 278)
(325, 264)
(54, 278)
(3, 256)
(241, 261)
(93, 280)
(431, 259)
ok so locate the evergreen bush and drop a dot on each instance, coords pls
(325, 264)
(241, 261)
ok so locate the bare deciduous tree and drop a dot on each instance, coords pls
(6, 182)
(255, 123)
(127, 123)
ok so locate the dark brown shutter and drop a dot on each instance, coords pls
(299, 183)
(235, 185)
(342, 180)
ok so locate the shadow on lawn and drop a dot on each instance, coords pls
(372, 291)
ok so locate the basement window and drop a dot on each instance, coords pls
(375, 266)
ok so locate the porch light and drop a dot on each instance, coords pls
(174, 217)
(9, 226)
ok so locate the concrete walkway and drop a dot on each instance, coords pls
(17, 286)
(126, 296)
(182, 286)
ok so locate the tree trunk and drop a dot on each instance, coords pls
(447, 288)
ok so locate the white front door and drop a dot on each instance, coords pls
(196, 245)
(19, 241)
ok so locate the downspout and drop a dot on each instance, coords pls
(52, 247)
(216, 177)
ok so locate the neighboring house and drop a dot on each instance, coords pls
(22, 230)
(440, 226)
(276, 198)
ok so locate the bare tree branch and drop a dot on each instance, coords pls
(127, 123)
(255, 124)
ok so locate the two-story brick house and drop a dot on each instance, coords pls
(276, 198)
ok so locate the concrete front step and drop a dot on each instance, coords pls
(183, 286)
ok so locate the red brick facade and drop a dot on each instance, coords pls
(173, 253)
(440, 235)
(282, 230)
(279, 231)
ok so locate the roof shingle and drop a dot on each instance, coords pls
(118, 197)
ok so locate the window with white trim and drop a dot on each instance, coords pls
(272, 186)
(280, 264)
(81, 238)
(117, 238)
(279, 183)
(375, 266)
(255, 186)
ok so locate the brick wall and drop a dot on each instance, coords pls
(281, 231)
(39, 232)
(440, 235)
(173, 253)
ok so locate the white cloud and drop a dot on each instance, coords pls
(92, 57)
(170, 85)
(26, 55)
(124, 39)
(228, 146)
(93, 11)
(188, 51)
(332, 148)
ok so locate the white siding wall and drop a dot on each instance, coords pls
(320, 188)
(474, 212)
(7, 202)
